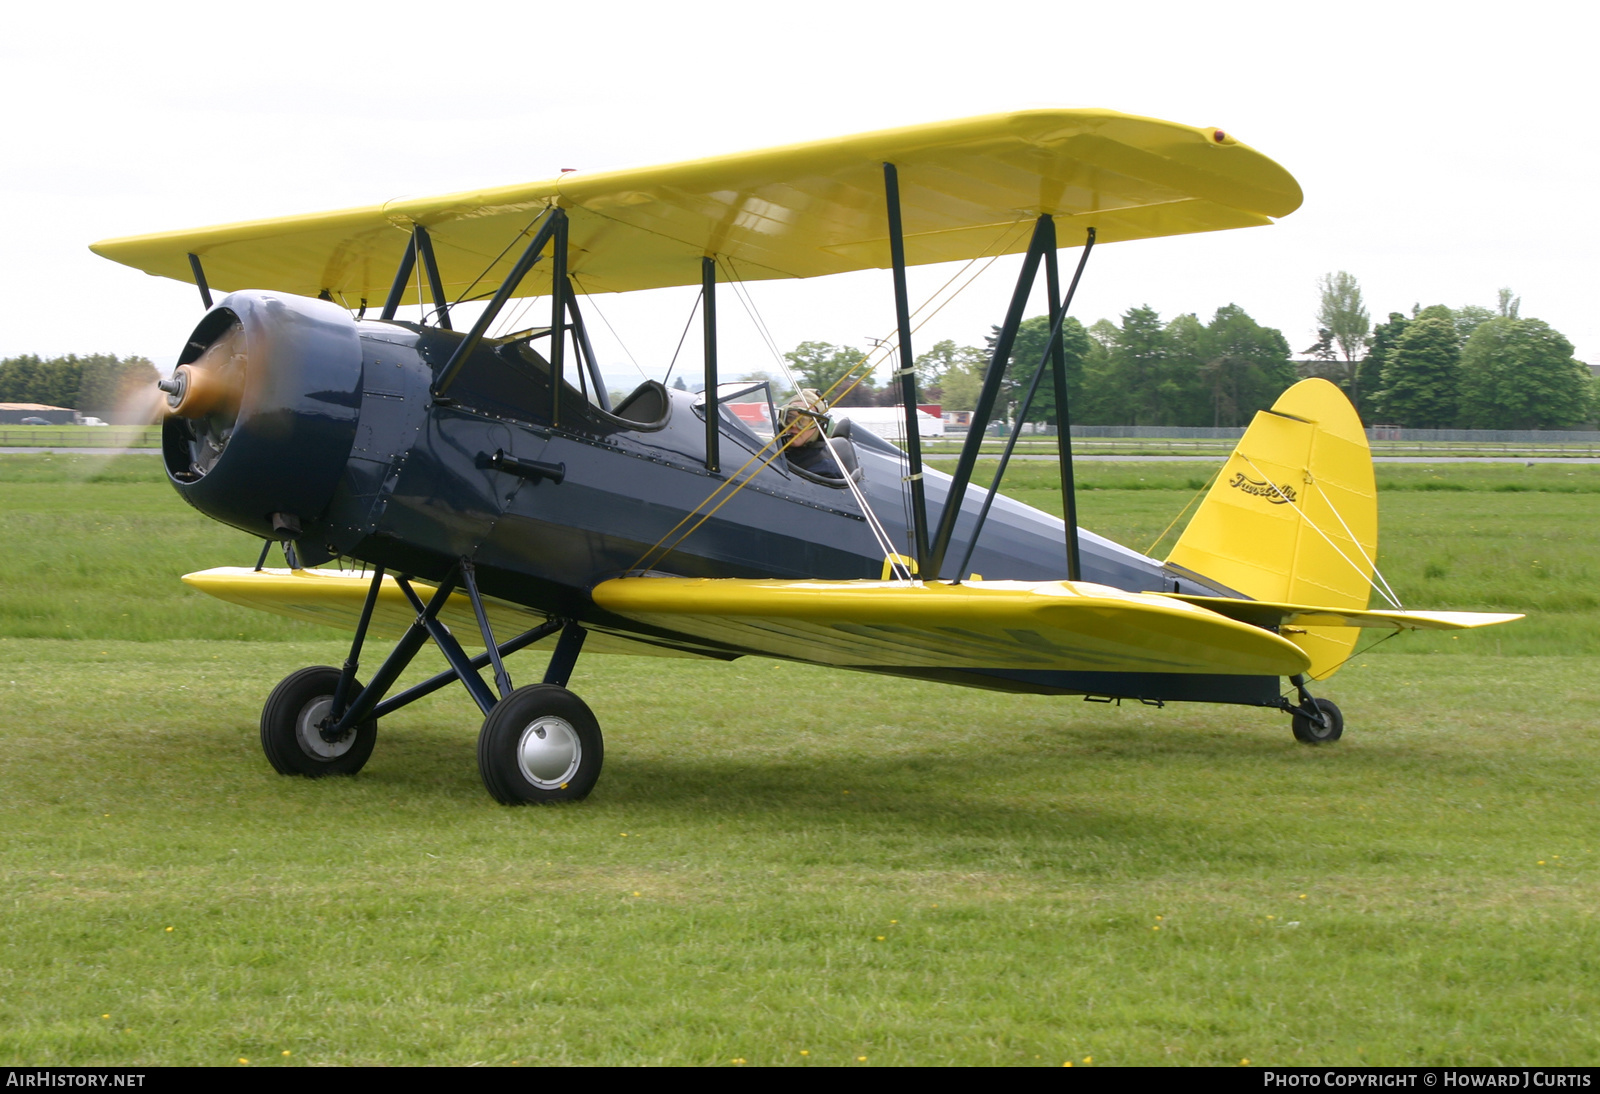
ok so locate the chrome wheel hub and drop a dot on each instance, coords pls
(549, 752)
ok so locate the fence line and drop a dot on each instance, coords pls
(43, 436)
(1374, 433)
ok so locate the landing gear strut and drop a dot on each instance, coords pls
(1315, 721)
(537, 744)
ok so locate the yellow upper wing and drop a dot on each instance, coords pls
(968, 188)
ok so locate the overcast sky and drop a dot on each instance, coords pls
(1444, 153)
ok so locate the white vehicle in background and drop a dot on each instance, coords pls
(89, 420)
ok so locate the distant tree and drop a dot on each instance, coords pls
(823, 366)
(1520, 374)
(1142, 355)
(109, 388)
(32, 379)
(20, 379)
(948, 371)
(1033, 335)
(1011, 388)
(944, 357)
(1369, 377)
(1341, 312)
(1468, 317)
(959, 388)
(1246, 366)
(1322, 349)
(1421, 374)
(1184, 372)
(1186, 387)
(1100, 390)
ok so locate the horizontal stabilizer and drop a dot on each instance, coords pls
(1050, 625)
(1267, 613)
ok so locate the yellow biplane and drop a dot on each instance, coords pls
(488, 489)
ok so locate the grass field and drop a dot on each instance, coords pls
(783, 865)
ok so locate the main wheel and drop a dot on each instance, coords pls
(291, 727)
(1308, 732)
(539, 744)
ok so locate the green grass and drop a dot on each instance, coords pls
(1467, 537)
(813, 862)
(94, 546)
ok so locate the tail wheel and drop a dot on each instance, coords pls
(540, 744)
(292, 727)
(1306, 729)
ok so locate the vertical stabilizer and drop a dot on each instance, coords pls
(1294, 515)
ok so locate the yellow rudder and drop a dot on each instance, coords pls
(1294, 516)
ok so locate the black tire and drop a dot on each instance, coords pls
(290, 736)
(540, 744)
(1308, 732)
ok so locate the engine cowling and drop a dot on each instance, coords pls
(262, 411)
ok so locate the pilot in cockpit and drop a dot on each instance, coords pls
(804, 421)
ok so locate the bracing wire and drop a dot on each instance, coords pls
(855, 374)
(1358, 653)
(747, 301)
(1393, 598)
(1380, 590)
(731, 481)
(878, 532)
(1149, 551)
(686, 325)
(589, 301)
(493, 262)
(514, 321)
(1010, 230)
(733, 484)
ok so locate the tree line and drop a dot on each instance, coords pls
(1142, 371)
(96, 384)
(1471, 367)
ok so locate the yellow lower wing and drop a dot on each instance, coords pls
(335, 599)
(1050, 625)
